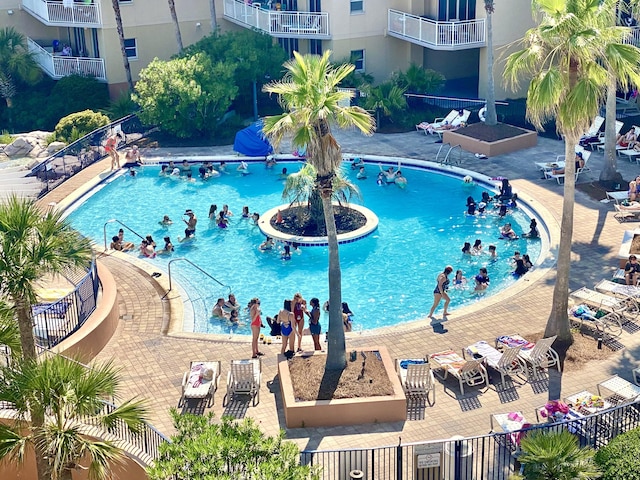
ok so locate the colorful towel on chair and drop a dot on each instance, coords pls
(448, 359)
(405, 363)
(195, 375)
(513, 341)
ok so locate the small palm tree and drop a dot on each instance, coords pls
(385, 99)
(556, 456)
(569, 56)
(9, 333)
(420, 80)
(71, 398)
(16, 64)
(309, 94)
(300, 188)
(120, 29)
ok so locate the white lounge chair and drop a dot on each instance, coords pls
(600, 143)
(541, 356)
(457, 122)
(585, 168)
(617, 290)
(506, 362)
(627, 107)
(621, 390)
(594, 129)
(625, 213)
(609, 324)
(200, 381)
(627, 306)
(244, 379)
(416, 378)
(437, 123)
(471, 372)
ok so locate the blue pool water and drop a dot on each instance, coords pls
(387, 277)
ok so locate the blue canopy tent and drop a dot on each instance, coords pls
(252, 142)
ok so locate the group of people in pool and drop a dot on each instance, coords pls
(504, 201)
(147, 246)
(443, 282)
(206, 170)
(384, 177)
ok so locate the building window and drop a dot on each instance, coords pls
(357, 58)
(315, 47)
(125, 1)
(131, 48)
(357, 6)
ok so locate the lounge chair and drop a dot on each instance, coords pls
(609, 324)
(416, 378)
(200, 381)
(621, 390)
(629, 106)
(600, 143)
(542, 356)
(457, 122)
(625, 213)
(506, 362)
(594, 129)
(244, 379)
(437, 123)
(617, 290)
(585, 168)
(471, 372)
(627, 306)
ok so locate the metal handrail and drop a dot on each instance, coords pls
(195, 266)
(104, 229)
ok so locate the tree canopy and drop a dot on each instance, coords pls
(186, 96)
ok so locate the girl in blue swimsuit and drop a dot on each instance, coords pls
(440, 291)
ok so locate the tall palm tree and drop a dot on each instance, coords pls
(491, 115)
(32, 245)
(308, 92)
(68, 395)
(568, 55)
(176, 24)
(556, 456)
(214, 20)
(16, 64)
(123, 50)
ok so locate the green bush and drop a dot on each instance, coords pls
(78, 124)
(618, 460)
(5, 137)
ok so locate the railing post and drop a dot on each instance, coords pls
(399, 460)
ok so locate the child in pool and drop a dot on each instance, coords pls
(460, 279)
(166, 221)
(286, 254)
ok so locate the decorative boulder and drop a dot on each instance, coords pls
(20, 147)
(54, 147)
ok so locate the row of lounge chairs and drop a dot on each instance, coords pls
(512, 356)
(455, 119)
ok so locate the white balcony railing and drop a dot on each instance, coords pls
(458, 35)
(67, 13)
(279, 24)
(634, 37)
(57, 66)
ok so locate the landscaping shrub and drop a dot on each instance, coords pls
(618, 460)
(78, 124)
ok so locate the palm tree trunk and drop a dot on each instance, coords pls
(214, 21)
(176, 25)
(25, 326)
(316, 210)
(609, 172)
(491, 115)
(125, 59)
(336, 348)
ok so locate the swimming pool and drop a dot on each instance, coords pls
(387, 277)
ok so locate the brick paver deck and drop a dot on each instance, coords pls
(152, 364)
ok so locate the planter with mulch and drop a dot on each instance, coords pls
(374, 376)
(491, 140)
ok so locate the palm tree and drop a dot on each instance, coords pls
(123, 50)
(556, 456)
(309, 94)
(419, 80)
(214, 21)
(300, 188)
(9, 333)
(491, 116)
(16, 64)
(176, 25)
(385, 99)
(568, 55)
(32, 245)
(69, 396)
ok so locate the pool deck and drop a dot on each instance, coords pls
(152, 363)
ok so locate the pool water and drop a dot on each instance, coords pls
(387, 277)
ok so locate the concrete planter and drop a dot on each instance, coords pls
(347, 411)
(491, 149)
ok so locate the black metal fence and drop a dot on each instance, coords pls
(488, 457)
(53, 322)
(85, 151)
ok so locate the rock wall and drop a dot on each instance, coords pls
(32, 145)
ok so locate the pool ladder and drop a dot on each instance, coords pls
(182, 259)
(115, 220)
(448, 158)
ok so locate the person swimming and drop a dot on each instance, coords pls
(362, 174)
(471, 206)
(286, 254)
(533, 230)
(400, 180)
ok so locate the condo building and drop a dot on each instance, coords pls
(379, 36)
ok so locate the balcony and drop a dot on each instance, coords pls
(287, 24)
(66, 13)
(460, 35)
(57, 66)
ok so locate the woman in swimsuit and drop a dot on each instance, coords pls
(256, 323)
(285, 318)
(440, 291)
(299, 305)
(314, 323)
